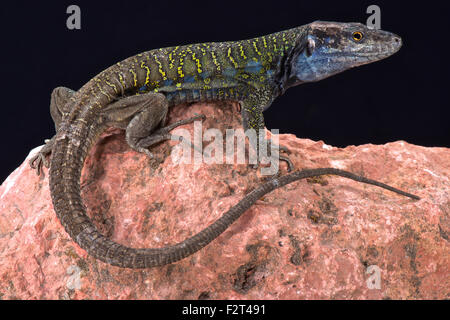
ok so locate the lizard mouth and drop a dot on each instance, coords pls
(379, 52)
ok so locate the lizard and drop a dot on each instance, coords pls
(137, 93)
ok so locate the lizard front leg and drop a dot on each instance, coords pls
(58, 107)
(253, 118)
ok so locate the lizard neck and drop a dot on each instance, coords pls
(282, 69)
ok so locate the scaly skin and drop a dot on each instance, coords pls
(135, 93)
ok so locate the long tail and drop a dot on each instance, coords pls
(68, 158)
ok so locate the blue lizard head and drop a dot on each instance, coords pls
(331, 47)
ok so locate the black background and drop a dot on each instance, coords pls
(404, 97)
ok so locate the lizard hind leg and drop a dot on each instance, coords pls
(58, 107)
(58, 104)
(143, 117)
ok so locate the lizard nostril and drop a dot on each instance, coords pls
(398, 41)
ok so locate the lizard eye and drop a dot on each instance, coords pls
(357, 36)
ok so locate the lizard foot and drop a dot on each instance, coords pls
(163, 134)
(286, 158)
(41, 158)
(275, 158)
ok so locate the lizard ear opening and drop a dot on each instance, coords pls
(310, 46)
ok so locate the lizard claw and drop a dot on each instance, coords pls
(197, 116)
(41, 158)
(38, 160)
(289, 163)
(147, 152)
(279, 157)
(286, 158)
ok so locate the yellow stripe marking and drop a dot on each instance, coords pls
(241, 49)
(213, 55)
(180, 67)
(256, 48)
(231, 58)
(160, 67)
(202, 50)
(102, 91)
(112, 86)
(134, 77)
(274, 44)
(147, 76)
(171, 59)
(197, 61)
(121, 80)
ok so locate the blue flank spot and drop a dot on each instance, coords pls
(229, 72)
(205, 74)
(196, 94)
(143, 88)
(189, 79)
(170, 95)
(167, 83)
(253, 67)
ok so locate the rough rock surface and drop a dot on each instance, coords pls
(327, 238)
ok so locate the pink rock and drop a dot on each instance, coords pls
(327, 238)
